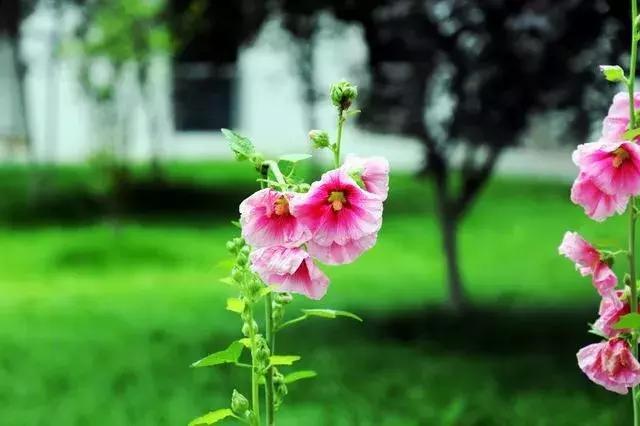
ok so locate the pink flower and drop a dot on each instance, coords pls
(610, 313)
(340, 214)
(374, 172)
(588, 262)
(290, 269)
(610, 364)
(617, 120)
(613, 167)
(597, 205)
(267, 221)
(336, 254)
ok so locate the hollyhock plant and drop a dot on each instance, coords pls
(289, 269)
(598, 205)
(340, 215)
(285, 226)
(589, 262)
(611, 365)
(614, 167)
(608, 182)
(267, 221)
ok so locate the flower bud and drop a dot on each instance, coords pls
(231, 246)
(319, 139)
(612, 73)
(279, 387)
(343, 94)
(242, 259)
(239, 404)
(246, 328)
(237, 275)
(284, 298)
(262, 351)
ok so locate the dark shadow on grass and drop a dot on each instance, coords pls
(490, 329)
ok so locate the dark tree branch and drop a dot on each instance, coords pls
(474, 181)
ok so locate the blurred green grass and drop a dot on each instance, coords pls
(99, 328)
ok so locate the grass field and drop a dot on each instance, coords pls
(99, 329)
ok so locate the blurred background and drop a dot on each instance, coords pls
(117, 191)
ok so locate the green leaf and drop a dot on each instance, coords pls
(631, 320)
(265, 291)
(283, 359)
(246, 342)
(236, 224)
(239, 144)
(212, 417)
(294, 158)
(235, 305)
(229, 355)
(631, 134)
(299, 375)
(330, 313)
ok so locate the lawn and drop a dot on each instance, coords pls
(99, 328)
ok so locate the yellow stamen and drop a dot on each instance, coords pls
(337, 200)
(619, 157)
(281, 206)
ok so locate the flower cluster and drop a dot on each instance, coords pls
(334, 222)
(607, 182)
(286, 228)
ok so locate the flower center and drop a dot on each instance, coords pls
(619, 157)
(337, 200)
(281, 206)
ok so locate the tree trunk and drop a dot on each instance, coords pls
(457, 296)
(449, 218)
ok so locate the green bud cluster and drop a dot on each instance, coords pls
(319, 139)
(280, 300)
(262, 353)
(279, 387)
(343, 94)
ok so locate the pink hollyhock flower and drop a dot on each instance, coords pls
(336, 254)
(290, 269)
(267, 221)
(617, 120)
(610, 313)
(340, 214)
(597, 205)
(588, 262)
(614, 167)
(374, 172)
(610, 364)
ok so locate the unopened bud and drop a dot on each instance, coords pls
(612, 73)
(246, 328)
(239, 404)
(319, 139)
(343, 94)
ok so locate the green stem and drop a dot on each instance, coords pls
(273, 166)
(255, 383)
(633, 304)
(271, 340)
(336, 148)
(293, 321)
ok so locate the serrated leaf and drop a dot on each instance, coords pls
(235, 305)
(294, 158)
(229, 355)
(631, 320)
(330, 313)
(283, 359)
(299, 375)
(238, 143)
(212, 417)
